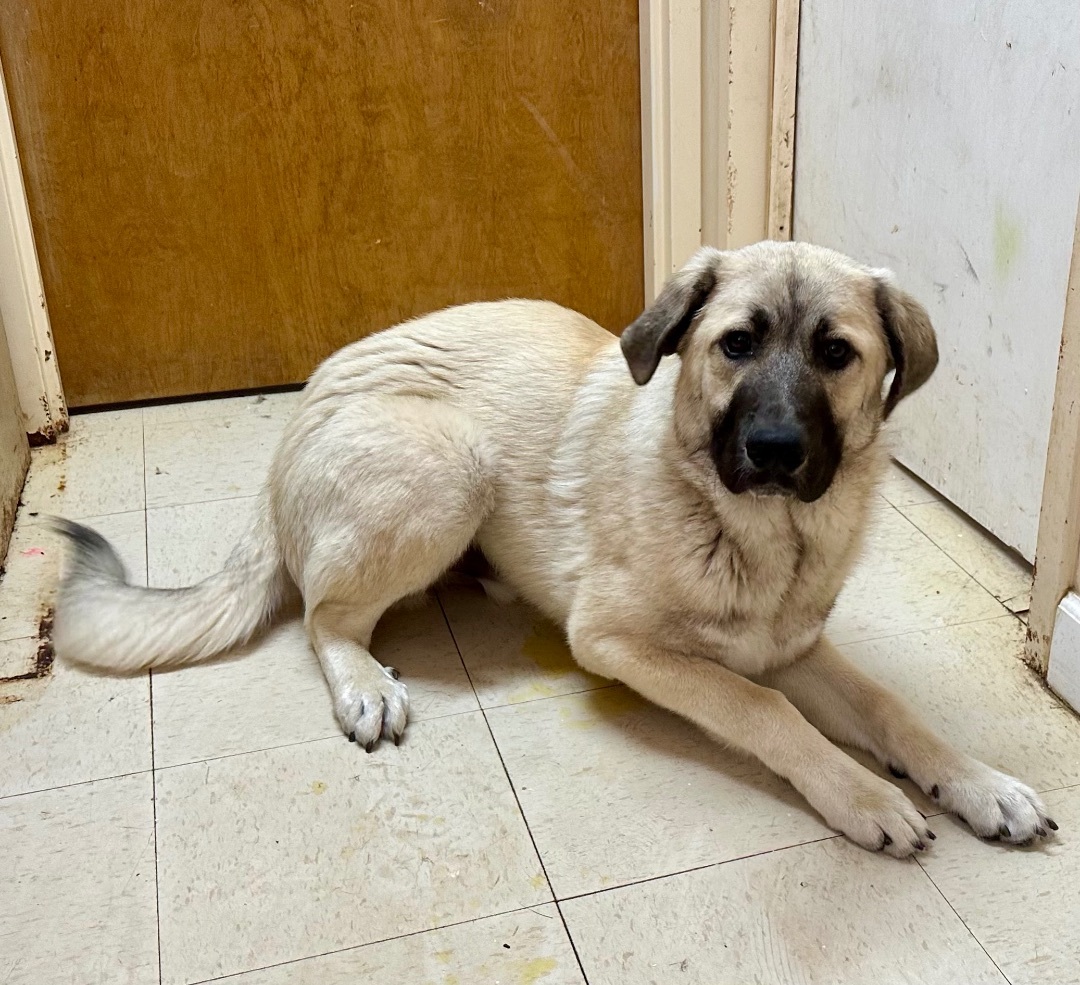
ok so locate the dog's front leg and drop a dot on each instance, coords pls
(849, 707)
(761, 721)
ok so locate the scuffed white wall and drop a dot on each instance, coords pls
(943, 140)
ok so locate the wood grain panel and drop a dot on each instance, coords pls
(225, 192)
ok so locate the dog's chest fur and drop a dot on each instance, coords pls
(757, 584)
(660, 549)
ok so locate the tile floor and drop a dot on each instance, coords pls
(538, 826)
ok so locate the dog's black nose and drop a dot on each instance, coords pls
(776, 447)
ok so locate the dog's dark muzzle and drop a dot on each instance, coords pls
(777, 443)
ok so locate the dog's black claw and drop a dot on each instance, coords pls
(1051, 824)
(920, 847)
(885, 840)
(1004, 831)
(352, 736)
(897, 772)
(394, 673)
(1040, 831)
(935, 791)
(930, 834)
(371, 745)
(397, 740)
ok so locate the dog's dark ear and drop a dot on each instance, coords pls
(911, 338)
(659, 329)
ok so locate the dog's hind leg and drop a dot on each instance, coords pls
(401, 491)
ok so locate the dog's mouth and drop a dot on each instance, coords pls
(766, 484)
(747, 480)
(808, 482)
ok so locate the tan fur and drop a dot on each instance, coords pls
(516, 427)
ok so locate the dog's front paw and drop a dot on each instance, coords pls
(375, 706)
(876, 815)
(993, 804)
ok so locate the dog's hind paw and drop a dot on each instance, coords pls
(372, 710)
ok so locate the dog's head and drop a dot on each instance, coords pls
(785, 350)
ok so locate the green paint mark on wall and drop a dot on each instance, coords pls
(1007, 233)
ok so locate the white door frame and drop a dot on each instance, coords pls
(23, 313)
(718, 125)
(1057, 553)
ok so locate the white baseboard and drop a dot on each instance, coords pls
(1063, 674)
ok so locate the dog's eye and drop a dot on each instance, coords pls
(837, 353)
(737, 344)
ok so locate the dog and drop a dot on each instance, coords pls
(688, 522)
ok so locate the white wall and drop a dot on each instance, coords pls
(942, 139)
(14, 452)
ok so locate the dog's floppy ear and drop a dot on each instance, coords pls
(911, 338)
(659, 329)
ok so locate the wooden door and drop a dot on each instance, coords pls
(224, 193)
(941, 139)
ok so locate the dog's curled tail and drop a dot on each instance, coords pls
(104, 622)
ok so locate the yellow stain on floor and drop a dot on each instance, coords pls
(318, 787)
(443, 957)
(532, 971)
(546, 647)
(600, 705)
(531, 691)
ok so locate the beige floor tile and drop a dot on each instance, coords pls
(293, 852)
(69, 726)
(1022, 904)
(28, 587)
(216, 449)
(513, 653)
(189, 411)
(1001, 572)
(94, 469)
(905, 582)
(273, 692)
(901, 488)
(77, 892)
(529, 947)
(63, 725)
(185, 544)
(617, 790)
(969, 683)
(820, 914)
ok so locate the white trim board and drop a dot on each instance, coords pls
(1064, 672)
(24, 317)
(717, 110)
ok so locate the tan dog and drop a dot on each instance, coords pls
(689, 523)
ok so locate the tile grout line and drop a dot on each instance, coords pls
(963, 922)
(517, 799)
(971, 574)
(382, 940)
(74, 783)
(59, 786)
(944, 550)
(700, 868)
(198, 502)
(153, 791)
(153, 749)
(925, 629)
